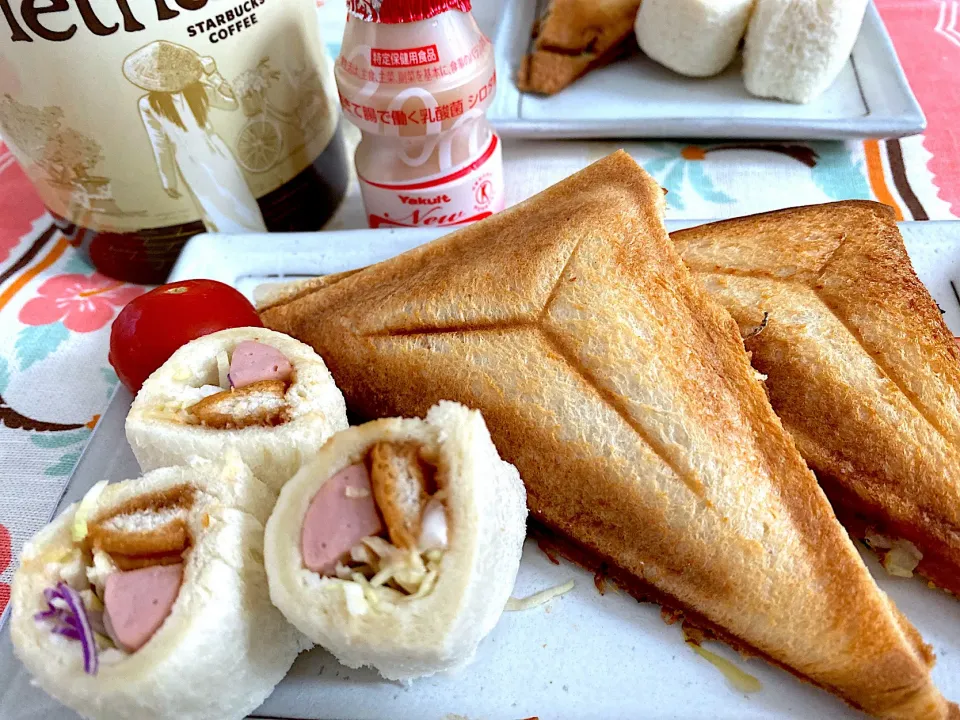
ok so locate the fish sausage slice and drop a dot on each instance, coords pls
(254, 361)
(340, 515)
(138, 601)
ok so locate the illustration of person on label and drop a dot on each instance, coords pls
(181, 86)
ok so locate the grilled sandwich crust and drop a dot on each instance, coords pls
(862, 369)
(574, 37)
(282, 292)
(623, 395)
(605, 568)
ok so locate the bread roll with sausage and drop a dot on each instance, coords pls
(261, 393)
(398, 545)
(149, 599)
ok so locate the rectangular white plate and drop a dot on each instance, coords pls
(638, 98)
(581, 657)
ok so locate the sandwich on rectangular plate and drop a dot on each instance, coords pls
(256, 392)
(572, 38)
(398, 544)
(622, 393)
(692, 37)
(795, 49)
(149, 599)
(861, 368)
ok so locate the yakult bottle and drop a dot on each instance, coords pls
(417, 76)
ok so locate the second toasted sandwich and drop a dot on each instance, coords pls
(623, 395)
(572, 38)
(861, 368)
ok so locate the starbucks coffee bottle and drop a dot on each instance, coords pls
(144, 122)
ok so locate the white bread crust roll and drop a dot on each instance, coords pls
(274, 454)
(698, 38)
(224, 646)
(486, 512)
(796, 48)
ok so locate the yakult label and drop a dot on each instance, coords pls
(419, 92)
(464, 195)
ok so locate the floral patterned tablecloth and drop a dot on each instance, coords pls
(55, 310)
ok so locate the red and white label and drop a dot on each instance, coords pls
(409, 57)
(467, 194)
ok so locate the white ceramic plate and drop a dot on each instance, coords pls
(582, 656)
(639, 98)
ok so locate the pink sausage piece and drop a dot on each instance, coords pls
(136, 603)
(254, 361)
(335, 521)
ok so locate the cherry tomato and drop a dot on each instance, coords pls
(151, 327)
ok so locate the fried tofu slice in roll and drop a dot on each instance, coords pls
(149, 598)
(398, 546)
(622, 393)
(860, 367)
(250, 390)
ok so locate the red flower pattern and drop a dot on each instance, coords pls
(4, 564)
(84, 303)
(19, 203)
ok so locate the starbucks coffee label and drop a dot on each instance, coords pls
(135, 114)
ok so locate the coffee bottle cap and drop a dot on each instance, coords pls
(402, 11)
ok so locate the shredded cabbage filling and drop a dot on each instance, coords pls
(74, 605)
(387, 570)
(376, 563)
(66, 615)
(899, 557)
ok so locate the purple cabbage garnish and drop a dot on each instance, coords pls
(65, 609)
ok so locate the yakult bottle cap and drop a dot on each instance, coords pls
(403, 11)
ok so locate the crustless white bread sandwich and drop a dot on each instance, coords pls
(860, 367)
(795, 49)
(258, 392)
(398, 545)
(622, 393)
(692, 37)
(149, 599)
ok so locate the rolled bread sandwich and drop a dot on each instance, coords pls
(149, 598)
(795, 49)
(623, 394)
(398, 545)
(692, 37)
(261, 393)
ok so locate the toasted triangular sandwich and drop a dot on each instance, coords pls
(861, 367)
(624, 396)
(574, 37)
